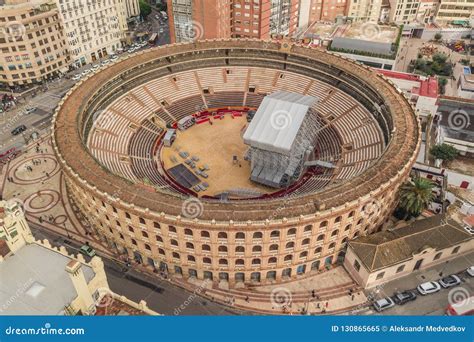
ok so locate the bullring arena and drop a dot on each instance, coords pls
(108, 136)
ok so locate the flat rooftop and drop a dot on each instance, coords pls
(370, 32)
(34, 282)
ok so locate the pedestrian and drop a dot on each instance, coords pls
(352, 297)
(247, 299)
(327, 304)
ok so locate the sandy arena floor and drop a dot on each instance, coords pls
(215, 145)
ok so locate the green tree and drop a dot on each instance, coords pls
(438, 36)
(440, 57)
(415, 196)
(444, 152)
(145, 8)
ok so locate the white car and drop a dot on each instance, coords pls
(469, 229)
(449, 281)
(86, 72)
(113, 57)
(161, 30)
(105, 62)
(76, 77)
(428, 288)
(95, 67)
(470, 271)
(383, 304)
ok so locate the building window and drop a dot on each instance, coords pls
(400, 268)
(455, 250)
(356, 265)
(438, 255)
(380, 275)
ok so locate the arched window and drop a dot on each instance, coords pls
(288, 257)
(173, 242)
(239, 262)
(256, 261)
(175, 255)
(206, 260)
(332, 245)
(320, 237)
(274, 247)
(188, 232)
(344, 240)
(145, 234)
(240, 235)
(172, 229)
(206, 248)
(308, 228)
(159, 238)
(338, 219)
(275, 233)
(334, 233)
(240, 249)
(272, 260)
(256, 248)
(161, 251)
(130, 228)
(351, 214)
(134, 242)
(348, 227)
(147, 247)
(223, 262)
(323, 224)
(156, 225)
(222, 249)
(142, 221)
(360, 221)
(305, 242)
(303, 254)
(290, 244)
(189, 245)
(318, 250)
(191, 258)
(257, 235)
(205, 234)
(222, 235)
(291, 231)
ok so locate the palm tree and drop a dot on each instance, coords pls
(415, 196)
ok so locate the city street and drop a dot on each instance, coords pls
(160, 295)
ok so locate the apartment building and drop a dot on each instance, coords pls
(198, 19)
(403, 11)
(327, 10)
(455, 11)
(132, 8)
(207, 19)
(364, 10)
(33, 46)
(94, 28)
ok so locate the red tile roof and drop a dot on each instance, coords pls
(428, 87)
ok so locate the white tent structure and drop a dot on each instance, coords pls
(281, 136)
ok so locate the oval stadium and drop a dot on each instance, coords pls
(238, 161)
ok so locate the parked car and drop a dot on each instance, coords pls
(86, 72)
(19, 129)
(469, 229)
(76, 77)
(161, 30)
(30, 110)
(87, 250)
(449, 281)
(401, 298)
(428, 288)
(105, 62)
(470, 271)
(95, 67)
(383, 304)
(113, 57)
